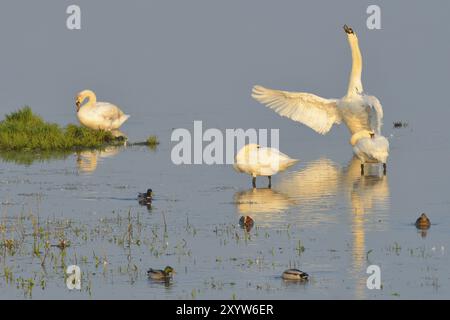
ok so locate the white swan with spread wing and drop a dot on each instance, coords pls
(356, 109)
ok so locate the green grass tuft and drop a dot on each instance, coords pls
(24, 131)
(152, 141)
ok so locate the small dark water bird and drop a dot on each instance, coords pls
(247, 223)
(400, 124)
(423, 222)
(295, 274)
(145, 198)
(165, 274)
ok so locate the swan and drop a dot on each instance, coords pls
(356, 109)
(370, 148)
(98, 115)
(257, 161)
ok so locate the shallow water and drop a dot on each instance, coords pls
(320, 216)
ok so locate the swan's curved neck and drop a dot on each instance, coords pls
(355, 85)
(359, 135)
(92, 99)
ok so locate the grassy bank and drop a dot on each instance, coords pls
(23, 130)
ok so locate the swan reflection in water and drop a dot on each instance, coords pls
(263, 203)
(311, 190)
(369, 198)
(313, 193)
(87, 161)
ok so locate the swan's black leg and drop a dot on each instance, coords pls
(254, 182)
(384, 168)
(362, 169)
(270, 182)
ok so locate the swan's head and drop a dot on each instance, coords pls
(348, 30)
(247, 154)
(361, 135)
(78, 103)
(81, 96)
(250, 147)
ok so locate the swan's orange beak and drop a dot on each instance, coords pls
(78, 103)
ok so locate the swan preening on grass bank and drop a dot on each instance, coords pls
(356, 109)
(257, 161)
(98, 115)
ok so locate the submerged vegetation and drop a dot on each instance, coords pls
(25, 131)
(152, 141)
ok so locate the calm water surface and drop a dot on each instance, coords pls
(321, 216)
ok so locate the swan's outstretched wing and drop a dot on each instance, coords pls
(317, 113)
(375, 112)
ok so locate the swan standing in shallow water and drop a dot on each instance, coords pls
(370, 148)
(356, 109)
(98, 115)
(257, 161)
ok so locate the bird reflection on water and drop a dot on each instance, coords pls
(87, 161)
(309, 197)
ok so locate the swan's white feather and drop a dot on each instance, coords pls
(375, 112)
(256, 161)
(99, 115)
(375, 150)
(357, 110)
(108, 111)
(317, 113)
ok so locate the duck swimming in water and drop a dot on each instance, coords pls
(165, 274)
(295, 274)
(247, 223)
(145, 198)
(423, 222)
